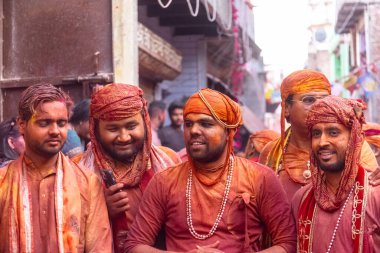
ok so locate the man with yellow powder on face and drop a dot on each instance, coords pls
(215, 202)
(47, 202)
(289, 156)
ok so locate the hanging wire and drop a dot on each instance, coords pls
(229, 24)
(165, 5)
(209, 17)
(192, 12)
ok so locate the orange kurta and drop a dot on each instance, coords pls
(256, 200)
(94, 230)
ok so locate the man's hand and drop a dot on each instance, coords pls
(117, 200)
(374, 178)
(211, 248)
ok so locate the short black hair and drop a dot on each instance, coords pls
(155, 107)
(174, 105)
(8, 128)
(81, 112)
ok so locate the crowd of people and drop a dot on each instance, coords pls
(106, 175)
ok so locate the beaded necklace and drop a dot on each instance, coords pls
(222, 207)
(338, 220)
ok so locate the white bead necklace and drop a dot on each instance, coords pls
(338, 221)
(222, 207)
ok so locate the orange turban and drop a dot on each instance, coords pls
(117, 102)
(220, 107)
(349, 113)
(298, 82)
(259, 139)
(372, 133)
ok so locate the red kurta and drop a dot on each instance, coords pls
(325, 223)
(164, 204)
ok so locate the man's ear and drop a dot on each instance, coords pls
(21, 125)
(10, 143)
(286, 110)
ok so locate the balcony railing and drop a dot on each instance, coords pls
(157, 56)
(348, 12)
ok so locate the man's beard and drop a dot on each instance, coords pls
(336, 167)
(122, 157)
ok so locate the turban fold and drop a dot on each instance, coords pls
(116, 102)
(349, 113)
(259, 139)
(299, 82)
(220, 107)
(372, 133)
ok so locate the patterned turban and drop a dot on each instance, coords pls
(116, 102)
(299, 82)
(349, 113)
(220, 107)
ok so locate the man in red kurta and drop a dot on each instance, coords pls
(215, 202)
(338, 211)
(121, 143)
(47, 202)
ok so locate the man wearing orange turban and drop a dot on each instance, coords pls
(214, 202)
(339, 210)
(121, 145)
(372, 136)
(289, 156)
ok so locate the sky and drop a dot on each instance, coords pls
(281, 33)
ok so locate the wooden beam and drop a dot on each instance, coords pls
(185, 21)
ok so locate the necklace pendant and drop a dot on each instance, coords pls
(307, 174)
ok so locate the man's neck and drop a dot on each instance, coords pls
(300, 139)
(42, 163)
(211, 167)
(155, 124)
(332, 180)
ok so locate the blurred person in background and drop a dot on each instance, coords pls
(257, 142)
(372, 136)
(172, 136)
(156, 112)
(12, 142)
(80, 121)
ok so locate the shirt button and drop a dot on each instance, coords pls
(43, 195)
(44, 212)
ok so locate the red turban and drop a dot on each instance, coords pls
(299, 82)
(220, 107)
(117, 102)
(349, 113)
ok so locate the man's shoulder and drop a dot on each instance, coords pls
(251, 166)
(171, 153)
(173, 172)
(84, 176)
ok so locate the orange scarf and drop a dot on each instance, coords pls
(67, 206)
